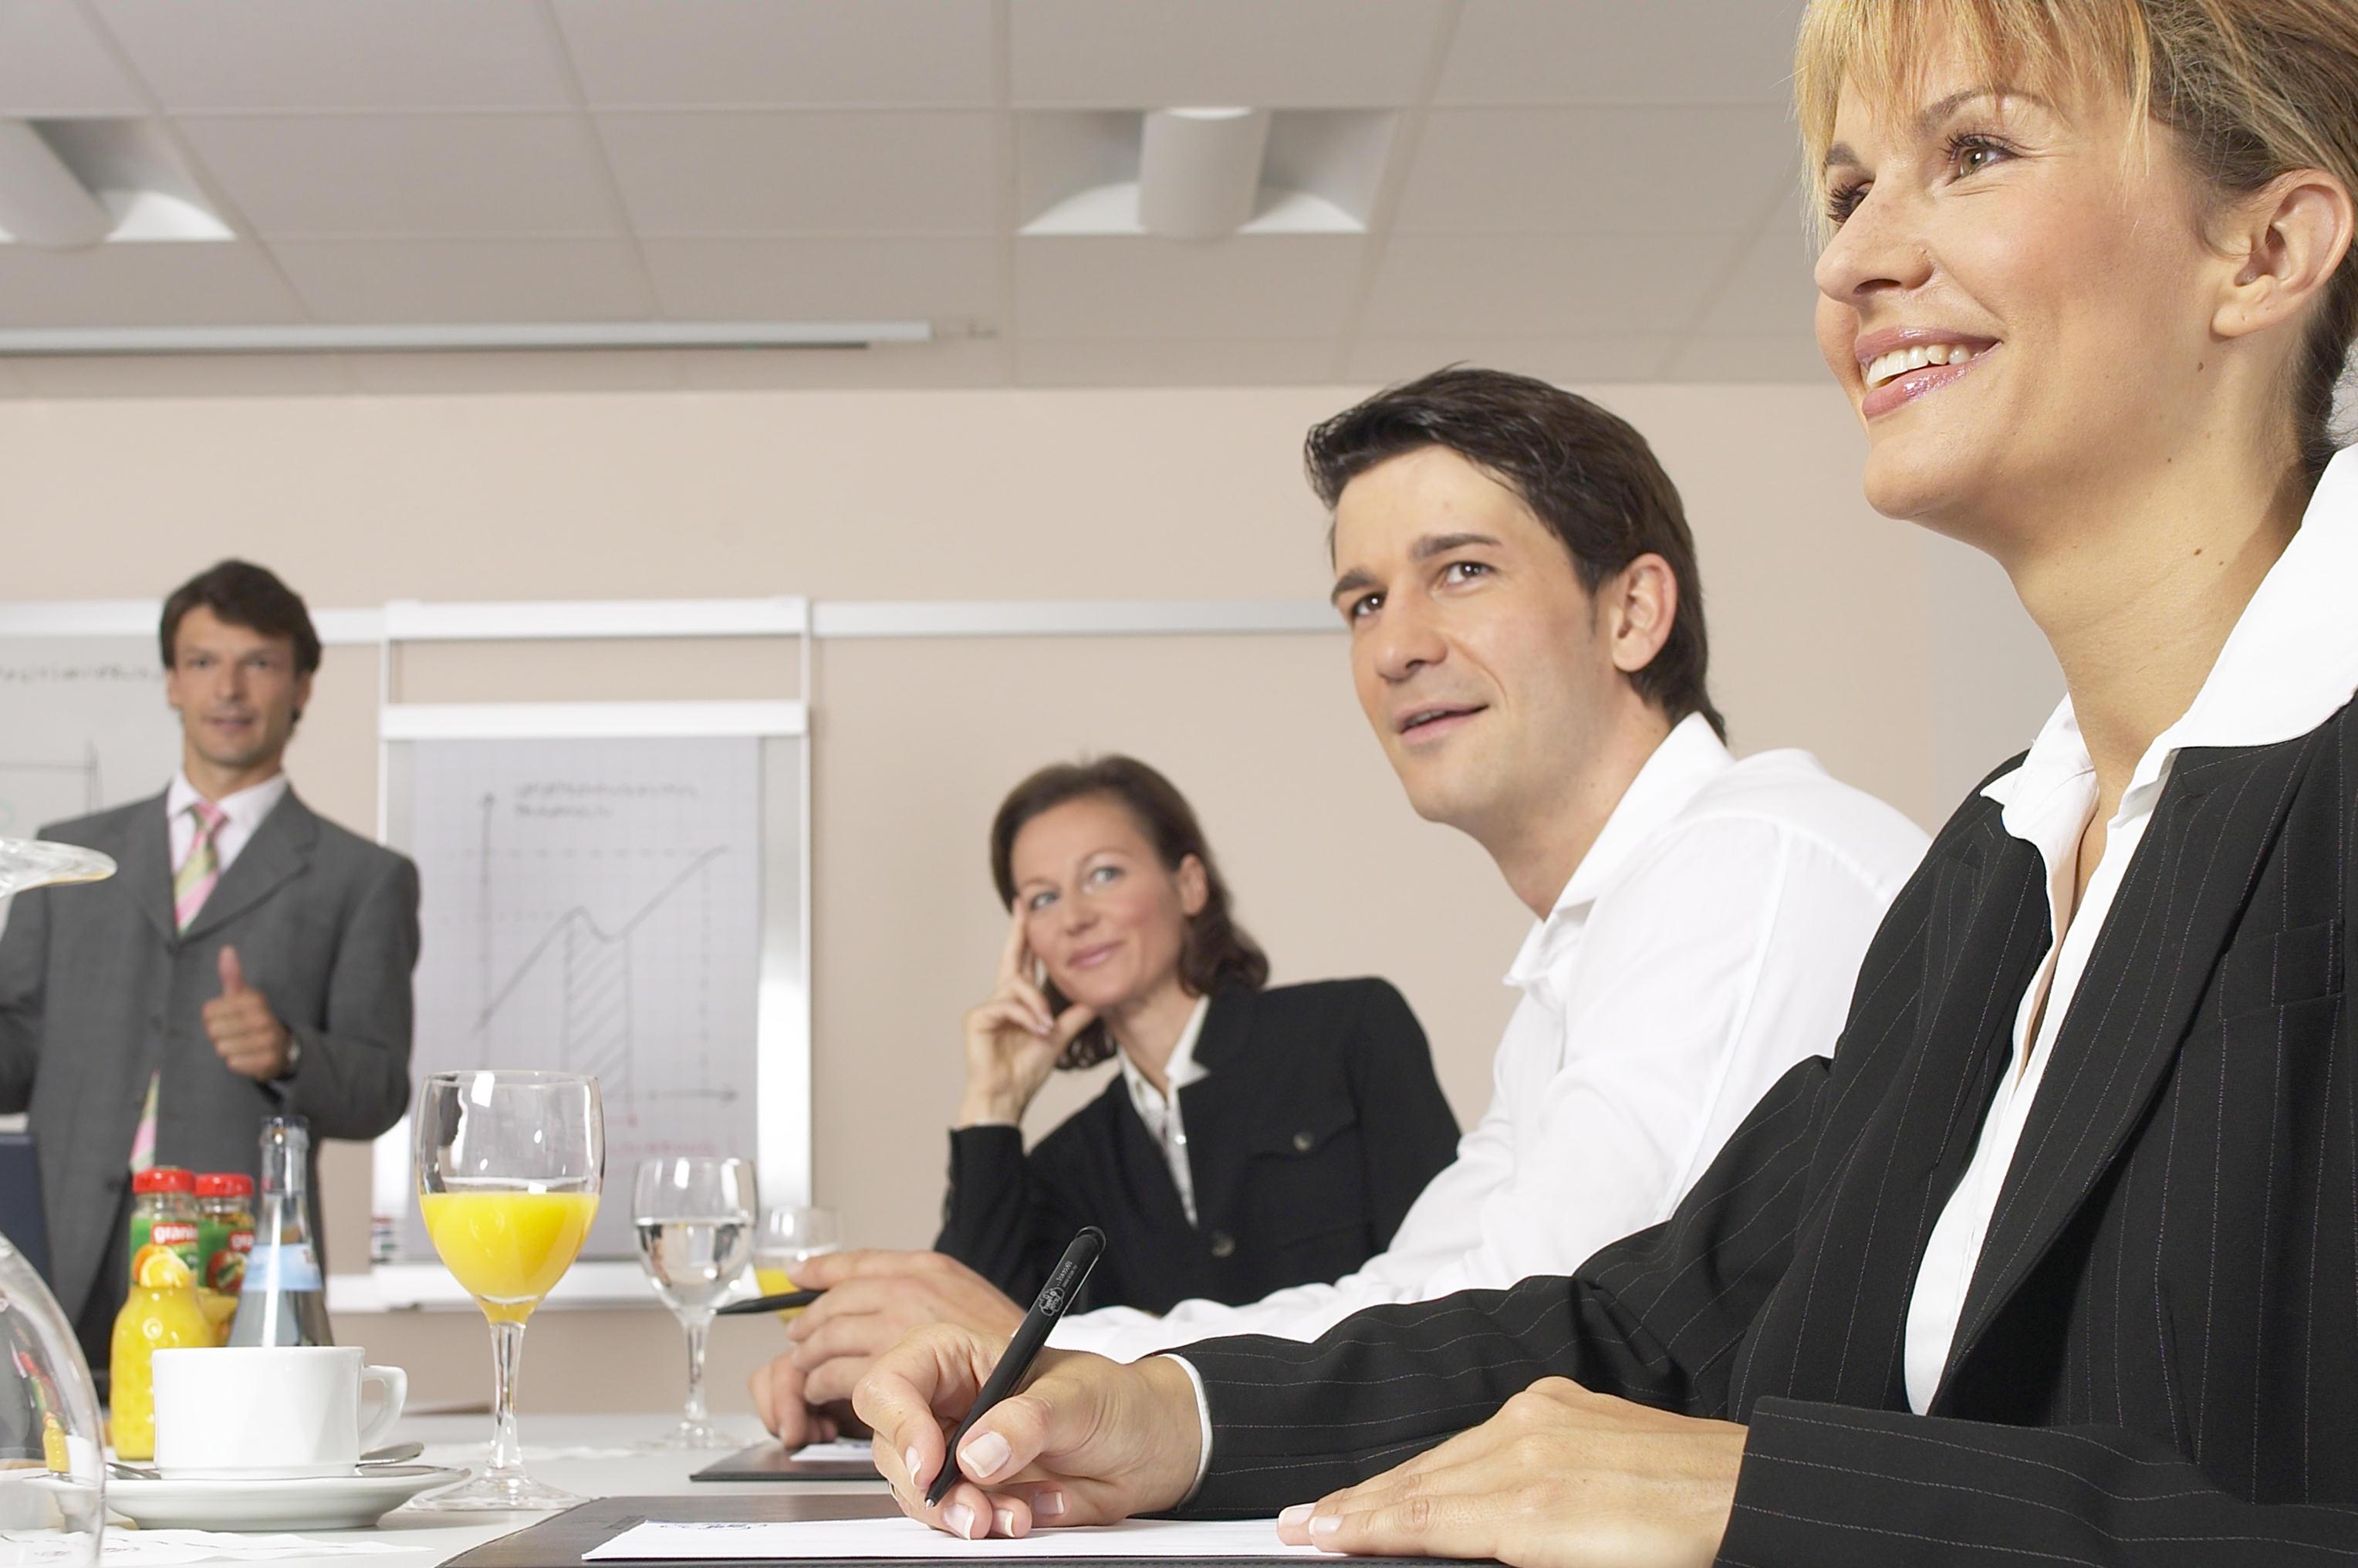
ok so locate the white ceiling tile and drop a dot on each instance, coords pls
(51, 63)
(765, 53)
(187, 375)
(416, 175)
(1614, 51)
(1772, 290)
(1595, 170)
(1160, 54)
(578, 370)
(808, 173)
(466, 280)
(340, 54)
(1236, 361)
(1510, 286)
(803, 279)
(1262, 285)
(1726, 356)
(1568, 361)
(952, 362)
(193, 285)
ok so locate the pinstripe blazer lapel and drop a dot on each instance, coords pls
(280, 848)
(2148, 973)
(147, 867)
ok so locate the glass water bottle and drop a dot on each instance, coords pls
(283, 1301)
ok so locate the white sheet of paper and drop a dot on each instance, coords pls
(656, 1541)
(858, 1448)
(169, 1548)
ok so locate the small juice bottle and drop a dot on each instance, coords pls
(164, 1209)
(161, 1313)
(224, 1239)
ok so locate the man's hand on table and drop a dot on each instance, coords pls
(1560, 1477)
(1087, 1441)
(874, 1300)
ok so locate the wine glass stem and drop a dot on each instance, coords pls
(508, 1350)
(696, 1327)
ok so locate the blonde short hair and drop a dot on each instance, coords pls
(2253, 88)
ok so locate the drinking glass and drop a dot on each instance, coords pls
(52, 1449)
(791, 1235)
(694, 1219)
(508, 1172)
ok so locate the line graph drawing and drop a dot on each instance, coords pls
(594, 906)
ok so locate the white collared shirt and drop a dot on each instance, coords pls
(2290, 663)
(242, 811)
(1706, 943)
(1161, 1115)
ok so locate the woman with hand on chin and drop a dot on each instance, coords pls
(2053, 1260)
(1254, 1138)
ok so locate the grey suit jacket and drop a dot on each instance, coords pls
(98, 990)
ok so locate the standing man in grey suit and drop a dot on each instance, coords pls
(249, 958)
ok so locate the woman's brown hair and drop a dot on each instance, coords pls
(1214, 952)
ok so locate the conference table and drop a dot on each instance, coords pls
(595, 1455)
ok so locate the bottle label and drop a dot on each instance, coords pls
(288, 1266)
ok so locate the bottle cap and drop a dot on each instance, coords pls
(218, 1184)
(164, 1179)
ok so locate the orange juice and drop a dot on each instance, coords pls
(508, 1248)
(160, 1313)
(776, 1282)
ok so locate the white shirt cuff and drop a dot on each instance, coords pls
(1202, 1426)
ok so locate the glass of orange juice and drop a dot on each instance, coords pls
(791, 1235)
(508, 1172)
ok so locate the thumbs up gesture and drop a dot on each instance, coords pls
(246, 1034)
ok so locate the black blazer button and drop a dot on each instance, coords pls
(1303, 1142)
(1223, 1244)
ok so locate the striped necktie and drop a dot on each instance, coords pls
(191, 885)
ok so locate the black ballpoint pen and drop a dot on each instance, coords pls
(1064, 1284)
(785, 1302)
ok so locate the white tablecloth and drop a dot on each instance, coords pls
(426, 1539)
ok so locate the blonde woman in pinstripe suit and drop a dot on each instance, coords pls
(2055, 1260)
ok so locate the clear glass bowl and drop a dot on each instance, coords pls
(52, 1457)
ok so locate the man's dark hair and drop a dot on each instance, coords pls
(1586, 473)
(240, 593)
(1214, 952)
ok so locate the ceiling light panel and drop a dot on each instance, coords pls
(238, 55)
(41, 202)
(780, 53)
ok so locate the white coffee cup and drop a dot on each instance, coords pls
(268, 1412)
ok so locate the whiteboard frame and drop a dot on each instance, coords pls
(784, 1131)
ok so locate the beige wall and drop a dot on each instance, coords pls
(1833, 629)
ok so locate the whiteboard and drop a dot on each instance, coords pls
(594, 905)
(83, 726)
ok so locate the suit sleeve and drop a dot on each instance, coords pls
(1002, 1215)
(1409, 1135)
(353, 1078)
(24, 957)
(1656, 1318)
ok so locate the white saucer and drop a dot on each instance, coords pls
(320, 1502)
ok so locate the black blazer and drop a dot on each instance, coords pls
(2158, 1359)
(1317, 1123)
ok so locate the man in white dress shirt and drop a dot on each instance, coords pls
(1528, 641)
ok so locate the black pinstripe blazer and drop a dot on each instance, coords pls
(2158, 1359)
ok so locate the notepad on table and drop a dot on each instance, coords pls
(902, 1539)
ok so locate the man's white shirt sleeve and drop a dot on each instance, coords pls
(1718, 960)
